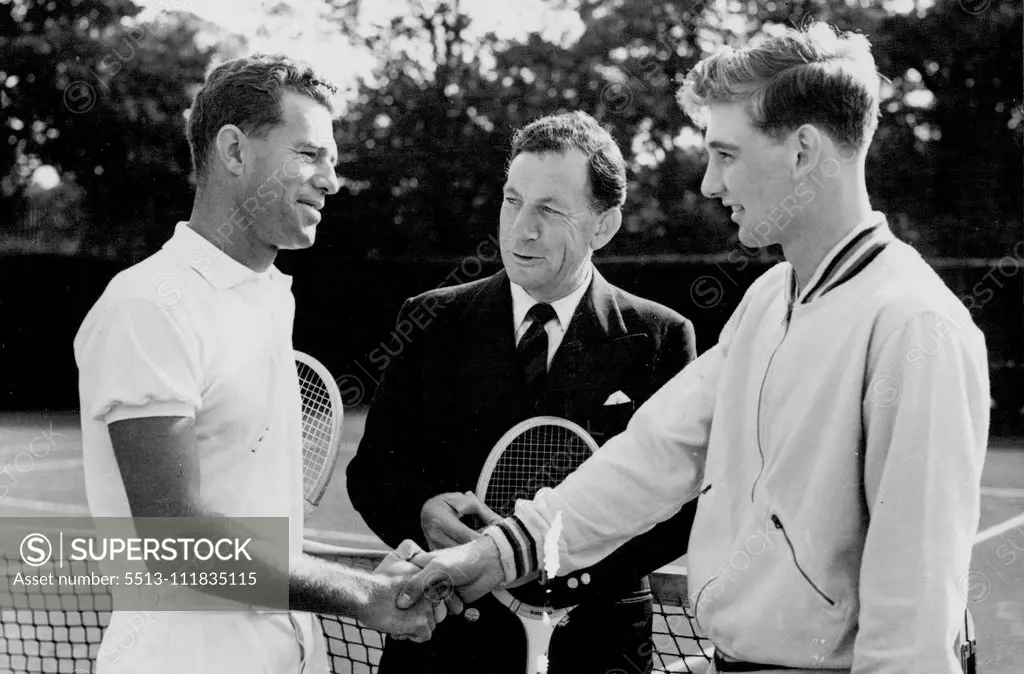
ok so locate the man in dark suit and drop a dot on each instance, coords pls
(547, 335)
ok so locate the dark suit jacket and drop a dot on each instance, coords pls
(452, 387)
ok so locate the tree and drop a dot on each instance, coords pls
(428, 139)
(101, 96)
(952, 161)
(424, 144)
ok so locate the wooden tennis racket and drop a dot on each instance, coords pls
(535, 453)
(322, 422)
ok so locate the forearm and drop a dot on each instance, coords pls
(663, 544)
(272, 577)
(622, 570)
(319, 586)
(639, 478)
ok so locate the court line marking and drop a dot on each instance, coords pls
(363, 539)
(994, 531)
(40, 465)
(1003, 492)
(341, 536)
(45, 506)
(72, 509)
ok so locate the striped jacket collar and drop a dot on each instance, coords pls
(846, 259)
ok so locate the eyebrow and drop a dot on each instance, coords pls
(550, 199)
(719, 145)
(321, 148)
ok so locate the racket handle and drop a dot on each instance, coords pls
(538, 638)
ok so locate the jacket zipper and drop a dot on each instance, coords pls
(760, 397)
(778, 525)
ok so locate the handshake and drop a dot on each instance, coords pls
(413, 590)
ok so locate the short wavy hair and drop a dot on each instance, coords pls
(579, 131)
(247, 92)
(816, 75)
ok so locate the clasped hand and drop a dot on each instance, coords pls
(453, 564)
(462, 566)
(441, 519)
(413, 620)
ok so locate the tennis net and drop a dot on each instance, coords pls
(61, 633)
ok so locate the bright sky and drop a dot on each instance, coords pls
(308, 37)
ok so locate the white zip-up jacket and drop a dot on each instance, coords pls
(836, 441)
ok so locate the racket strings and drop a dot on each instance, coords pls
(541, 456)
(317, 426)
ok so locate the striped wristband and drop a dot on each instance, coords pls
(505, 554)
(516, 547)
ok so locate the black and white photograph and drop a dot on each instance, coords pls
(505, 336)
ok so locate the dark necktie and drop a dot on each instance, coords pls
(533, 351)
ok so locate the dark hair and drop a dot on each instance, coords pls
(577, 130)
(811, 76)
(247, 92)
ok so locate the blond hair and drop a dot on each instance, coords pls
(815, 75)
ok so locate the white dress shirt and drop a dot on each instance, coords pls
(564, 308)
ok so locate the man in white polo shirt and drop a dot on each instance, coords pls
(189, 398)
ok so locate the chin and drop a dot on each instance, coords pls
(300, 240)
(752, 237)
(304, 234)
(751, 240)
(517, 276)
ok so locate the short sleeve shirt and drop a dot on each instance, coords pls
(190, 332)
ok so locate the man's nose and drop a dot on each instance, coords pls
(526, 226)
(712, 186)
(327, 180)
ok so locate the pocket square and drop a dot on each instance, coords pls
(617, 398)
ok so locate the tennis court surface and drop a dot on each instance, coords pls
(41, 475)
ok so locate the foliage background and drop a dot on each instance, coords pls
(99, 95)
(94, 166)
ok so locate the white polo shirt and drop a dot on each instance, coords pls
(190, 332)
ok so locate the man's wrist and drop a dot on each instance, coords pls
(495, 540)
(336, 588)
(515, 546)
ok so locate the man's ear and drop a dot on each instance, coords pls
(230, 147)
(607, 227)
(806, 146)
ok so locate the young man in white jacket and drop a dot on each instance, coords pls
(837, 431)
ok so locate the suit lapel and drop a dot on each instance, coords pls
(594, 354)
(495, 382)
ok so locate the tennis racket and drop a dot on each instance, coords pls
(535, 453)
(322, 417)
